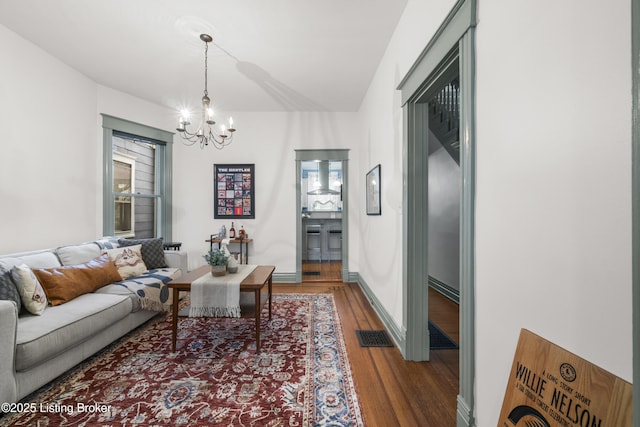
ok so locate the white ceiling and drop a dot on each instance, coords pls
(267, 55)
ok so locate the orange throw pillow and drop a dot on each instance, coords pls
(62, 284)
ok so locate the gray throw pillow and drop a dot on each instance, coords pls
(8, 290)
(152, 251)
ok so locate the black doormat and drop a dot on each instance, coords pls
(310, 273)
(438, 340)
(374, 338)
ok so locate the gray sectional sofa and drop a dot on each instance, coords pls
(35, 349)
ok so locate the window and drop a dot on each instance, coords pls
(123, 186)
(137, 180)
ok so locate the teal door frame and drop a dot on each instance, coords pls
(455, 36)
(635, 196)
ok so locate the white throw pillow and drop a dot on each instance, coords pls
(128, 260)
(31, 292)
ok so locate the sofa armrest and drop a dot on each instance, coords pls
(177, 259)
(9, 322)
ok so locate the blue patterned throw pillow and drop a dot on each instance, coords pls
(152, 251)
(8, 290)
(107, 243)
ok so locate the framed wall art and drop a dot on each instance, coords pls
(373, 191)
(234, 191)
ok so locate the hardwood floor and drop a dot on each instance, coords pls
(391, 390)
(313, 271)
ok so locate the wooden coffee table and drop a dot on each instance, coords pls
(254, 282)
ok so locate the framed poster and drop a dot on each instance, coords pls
(234, 187)
(373, 191)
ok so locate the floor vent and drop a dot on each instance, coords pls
(374, 339)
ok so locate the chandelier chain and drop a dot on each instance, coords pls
(206, 68)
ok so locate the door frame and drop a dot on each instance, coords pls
(456, 34)
(635, 201)
(336, 155)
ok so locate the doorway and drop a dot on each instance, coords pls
(321, 199)
(321, 212)
(443, 215)
(455, 39)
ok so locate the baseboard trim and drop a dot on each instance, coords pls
(447, 291)
(398, 335)
(464, 414)
(284, 278)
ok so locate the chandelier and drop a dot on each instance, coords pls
(205, 133)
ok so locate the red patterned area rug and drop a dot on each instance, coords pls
(300, 377)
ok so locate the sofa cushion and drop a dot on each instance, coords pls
(152, 251)
(32, 295)
(40, 338)
(62, 284)
(39, 259)
(77, 254)
(8, 290)
(128, 261)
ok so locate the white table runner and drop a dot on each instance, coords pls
(218, 296)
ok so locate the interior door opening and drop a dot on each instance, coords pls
(443, 217)
(322, 212)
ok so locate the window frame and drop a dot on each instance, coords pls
(163, 171)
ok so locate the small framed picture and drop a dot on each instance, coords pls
(373, 191)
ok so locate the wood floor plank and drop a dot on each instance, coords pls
(393, 391)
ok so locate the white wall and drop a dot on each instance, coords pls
(553, 212)
(444, 217)
(267, 140)
(378, 239)
(48, 150)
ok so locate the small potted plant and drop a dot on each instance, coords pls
(218, 262)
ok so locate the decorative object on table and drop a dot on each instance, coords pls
(222, 233)
(232, 264)
(234, 196)
(205, 134)
(232, 231)
(217, 259)
(243, 234)
(373, 191)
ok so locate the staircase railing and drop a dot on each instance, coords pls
(444, 118)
